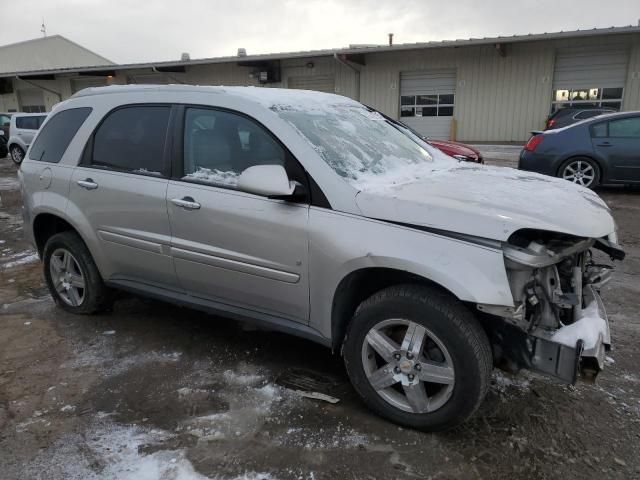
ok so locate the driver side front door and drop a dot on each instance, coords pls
(232, 247)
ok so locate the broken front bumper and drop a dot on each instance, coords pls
(576, 350)
(568, 353)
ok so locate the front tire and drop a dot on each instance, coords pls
(581, 171)
(72, 276)
(17, 154)
(418, 357)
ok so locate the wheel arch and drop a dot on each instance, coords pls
(359, 285)
(47, 224)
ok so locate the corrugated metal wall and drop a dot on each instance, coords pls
(498, 98)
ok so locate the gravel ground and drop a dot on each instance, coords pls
(153, 391)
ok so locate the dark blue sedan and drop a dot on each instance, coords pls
(601, 150)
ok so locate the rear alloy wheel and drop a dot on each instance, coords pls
(17, 155)
(581, 171)
(418, 357)
(72, 276)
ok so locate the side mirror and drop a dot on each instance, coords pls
(269, 180)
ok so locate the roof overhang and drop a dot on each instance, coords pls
(355, 54)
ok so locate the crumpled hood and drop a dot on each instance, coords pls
(489, 202)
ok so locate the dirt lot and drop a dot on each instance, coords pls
(152, 391)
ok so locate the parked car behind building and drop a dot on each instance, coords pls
(22, 130)
(601, 150)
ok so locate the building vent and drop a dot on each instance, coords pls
(185, 57)
(242, 52)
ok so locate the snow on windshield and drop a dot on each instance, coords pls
(358, 144)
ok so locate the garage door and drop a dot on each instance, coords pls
(78, 84)
(320, 83)
(31, 100)
(427, 101)
(590, 76)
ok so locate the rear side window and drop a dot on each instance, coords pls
(53, 140)
(625, 128)
(588, 114)
(132, 139)
(30, 123)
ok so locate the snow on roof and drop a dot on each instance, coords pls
(356, 49)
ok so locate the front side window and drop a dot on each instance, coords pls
(4, 120)
(30, 122)
(53, 140)
(433, 105)
(132, 139)
(220, 145)
(359, 144)
(625, 128)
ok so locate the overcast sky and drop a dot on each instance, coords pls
(145, 30)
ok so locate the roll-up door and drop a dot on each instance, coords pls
(320, 83)
(31, 100)
(590, 76)
(427, 101)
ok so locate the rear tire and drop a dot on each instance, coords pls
(582, 171)
(17, 154)
(72, 276)
(436, 360)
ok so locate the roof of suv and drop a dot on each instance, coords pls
(262, 95)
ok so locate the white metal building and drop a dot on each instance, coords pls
(47, 53)
(490, 89)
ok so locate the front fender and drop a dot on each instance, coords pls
(341, 244)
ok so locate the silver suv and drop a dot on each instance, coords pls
(312, 214)
(23, 128)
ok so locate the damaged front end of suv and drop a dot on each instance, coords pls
(558, 324)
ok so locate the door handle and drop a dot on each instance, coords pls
(87, 183)
(604, 144)
(188, 203)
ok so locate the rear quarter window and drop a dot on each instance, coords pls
(53, 140)
(599, 130)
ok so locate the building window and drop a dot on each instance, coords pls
(588, 97)
(33, 108)
(435, 105)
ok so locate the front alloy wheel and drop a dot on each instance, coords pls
(408, 366)
(418, 357)
(582, 172)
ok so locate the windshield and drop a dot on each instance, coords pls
(358, 143)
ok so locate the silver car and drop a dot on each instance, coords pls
(22, 129)
(315, 215)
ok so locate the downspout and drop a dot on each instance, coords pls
(40, 87)
(170, 77)
(347, 64)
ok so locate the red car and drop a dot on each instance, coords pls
(457, 150)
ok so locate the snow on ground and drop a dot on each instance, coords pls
(117, 452)
(17, 259)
